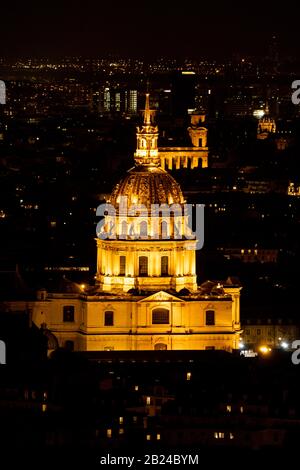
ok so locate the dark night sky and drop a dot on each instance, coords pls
(194, 28)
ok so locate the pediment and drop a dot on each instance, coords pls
(161, 296)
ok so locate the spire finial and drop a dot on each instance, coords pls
(147, 111)
(267, 110)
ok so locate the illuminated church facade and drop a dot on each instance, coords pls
(146, 295)
(266, 125)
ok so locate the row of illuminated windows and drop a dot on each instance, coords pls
(217, 435)
(143, 266)
(160, 316)
(143, 230)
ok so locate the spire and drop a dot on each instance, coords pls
(147, 135)
(148, 113)
(267, 110)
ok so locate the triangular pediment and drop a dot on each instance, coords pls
(161, 296)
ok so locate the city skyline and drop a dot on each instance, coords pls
(149, 231)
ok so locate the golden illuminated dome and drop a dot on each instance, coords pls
(266, 125)
(147, 185)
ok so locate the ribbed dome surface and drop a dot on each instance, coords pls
(147, 185)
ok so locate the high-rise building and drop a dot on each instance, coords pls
(118, 100)
(132, 101)
(106, 100)
(183, 93)
(194, 156)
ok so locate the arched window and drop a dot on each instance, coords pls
(160, 316)
(164, 266)
(210, 317)
(160, 347)
(52, 342)
(143, 229)
(164, 230)
(123, 233)
(122, 266)
(143, 266)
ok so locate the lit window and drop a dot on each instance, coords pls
(160, 316)
(143, 266)
(143, 229)
(164, 230)
(242, 409)
(228, 408)
(148, 400)
(121, 431)
(219, 435)
(231, 436)
(136, 387)
(148, 437)
(68, 313)
(121, 420)
(44, 407)
(158, 437)
(188, 376)
(109, 433)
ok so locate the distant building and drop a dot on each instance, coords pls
(115, 100)
(183, 92)
(251, 255)
(266, 125)
(271, 332)
(293, 189)
(195, 156)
